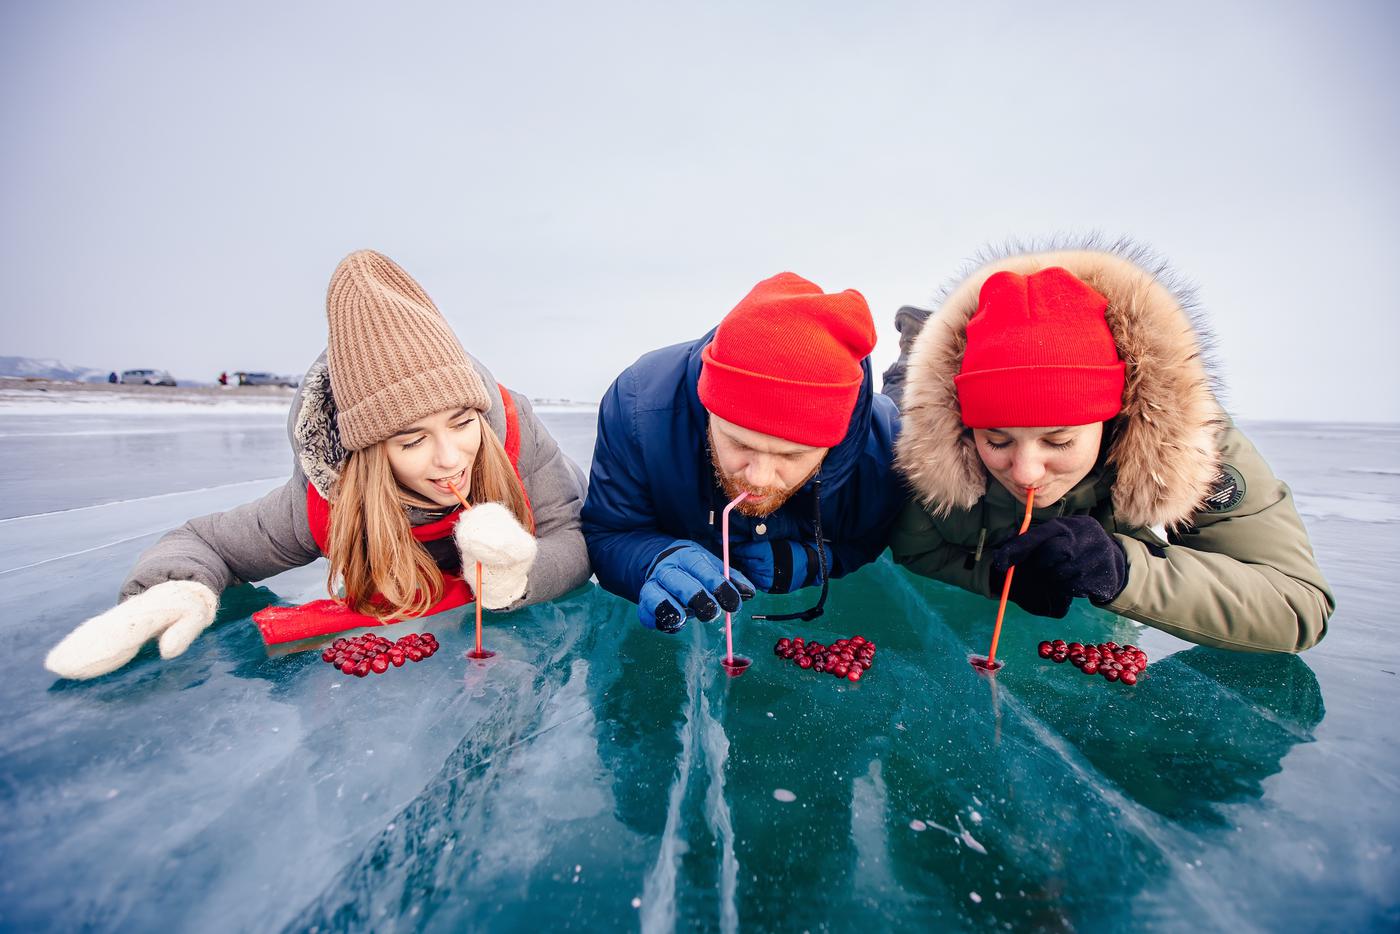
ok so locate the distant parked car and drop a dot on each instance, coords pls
(147, 378)
(265, 379)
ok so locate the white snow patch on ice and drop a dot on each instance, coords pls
(1341, 507)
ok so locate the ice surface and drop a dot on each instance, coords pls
(598, 776)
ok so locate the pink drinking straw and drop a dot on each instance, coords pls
(728, 617)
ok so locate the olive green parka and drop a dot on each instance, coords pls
(1216, 552)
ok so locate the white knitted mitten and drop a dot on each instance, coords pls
(490, 534)
(176, 611)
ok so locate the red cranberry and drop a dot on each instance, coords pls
(855, 673)
(1110, 674)
(396, 658)
(841, 670)
(361, 669)
(328, 656)
(1058, 657)
(1076, 648)
(414, 654)
(1090, 668)
(804, 662)
(380, 664)
(1060, 644)
(1077, 660)
(1045, 649)
(348, 667)
(858, 640)
(1128, 677)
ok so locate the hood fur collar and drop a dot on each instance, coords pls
(315, 434)
(1164, 455)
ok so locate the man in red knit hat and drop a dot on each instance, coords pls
(777, 402)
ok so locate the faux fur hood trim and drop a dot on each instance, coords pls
(315, 433)
(1164, 455)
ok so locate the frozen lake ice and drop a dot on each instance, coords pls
(600, 776)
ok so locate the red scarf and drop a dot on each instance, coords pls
(323, 617)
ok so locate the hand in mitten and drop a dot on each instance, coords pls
(686, 580)
(1059, 560)
(490, 534)
(779, 566)
(176, 611)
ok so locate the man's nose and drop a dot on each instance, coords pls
(761, 473)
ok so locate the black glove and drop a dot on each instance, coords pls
(1059, 560)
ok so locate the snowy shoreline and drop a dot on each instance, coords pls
(53, 397)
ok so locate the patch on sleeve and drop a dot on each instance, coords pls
(1227, 492)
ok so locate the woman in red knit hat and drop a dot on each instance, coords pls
(1078, 374)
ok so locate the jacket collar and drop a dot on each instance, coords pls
(1164, 453)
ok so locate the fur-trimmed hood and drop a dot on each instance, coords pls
(1164, 454)
(315, 435)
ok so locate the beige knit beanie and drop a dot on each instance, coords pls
(393, 358)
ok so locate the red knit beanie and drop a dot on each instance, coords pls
(786, 361)
(1039, 354)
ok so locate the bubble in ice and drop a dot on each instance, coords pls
(977, 899)
(783, 795)
(636, 903)
(917, 825)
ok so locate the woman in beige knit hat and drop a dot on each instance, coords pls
(387, 423)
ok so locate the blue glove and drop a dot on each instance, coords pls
(686, 580)
(779, 566)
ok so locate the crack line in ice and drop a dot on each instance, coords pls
(659, 889)
(1209, 896)
(74, 554)
(140, 499)
(716, 749)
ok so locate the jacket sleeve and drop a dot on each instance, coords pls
(1243, 578)
(619, 518)
(556, 487)
(248, 543)
(918, 544)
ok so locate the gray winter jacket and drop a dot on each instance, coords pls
(272, 534)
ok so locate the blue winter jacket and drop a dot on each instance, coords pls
(652, 481)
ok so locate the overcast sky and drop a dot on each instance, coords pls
(576, 184)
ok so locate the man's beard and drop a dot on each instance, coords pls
(758, 503)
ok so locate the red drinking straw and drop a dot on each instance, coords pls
(478, 652)
(991, 663)
(728, 617)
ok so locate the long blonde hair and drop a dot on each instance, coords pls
(384, 571)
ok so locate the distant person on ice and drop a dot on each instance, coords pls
(393, 413)
(778, 402)
(1080, 373)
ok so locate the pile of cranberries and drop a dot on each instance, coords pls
(1116, 663)
(844, 658)
(371, 652)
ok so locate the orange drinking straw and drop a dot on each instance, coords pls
(479, 652)
(1006, 584)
